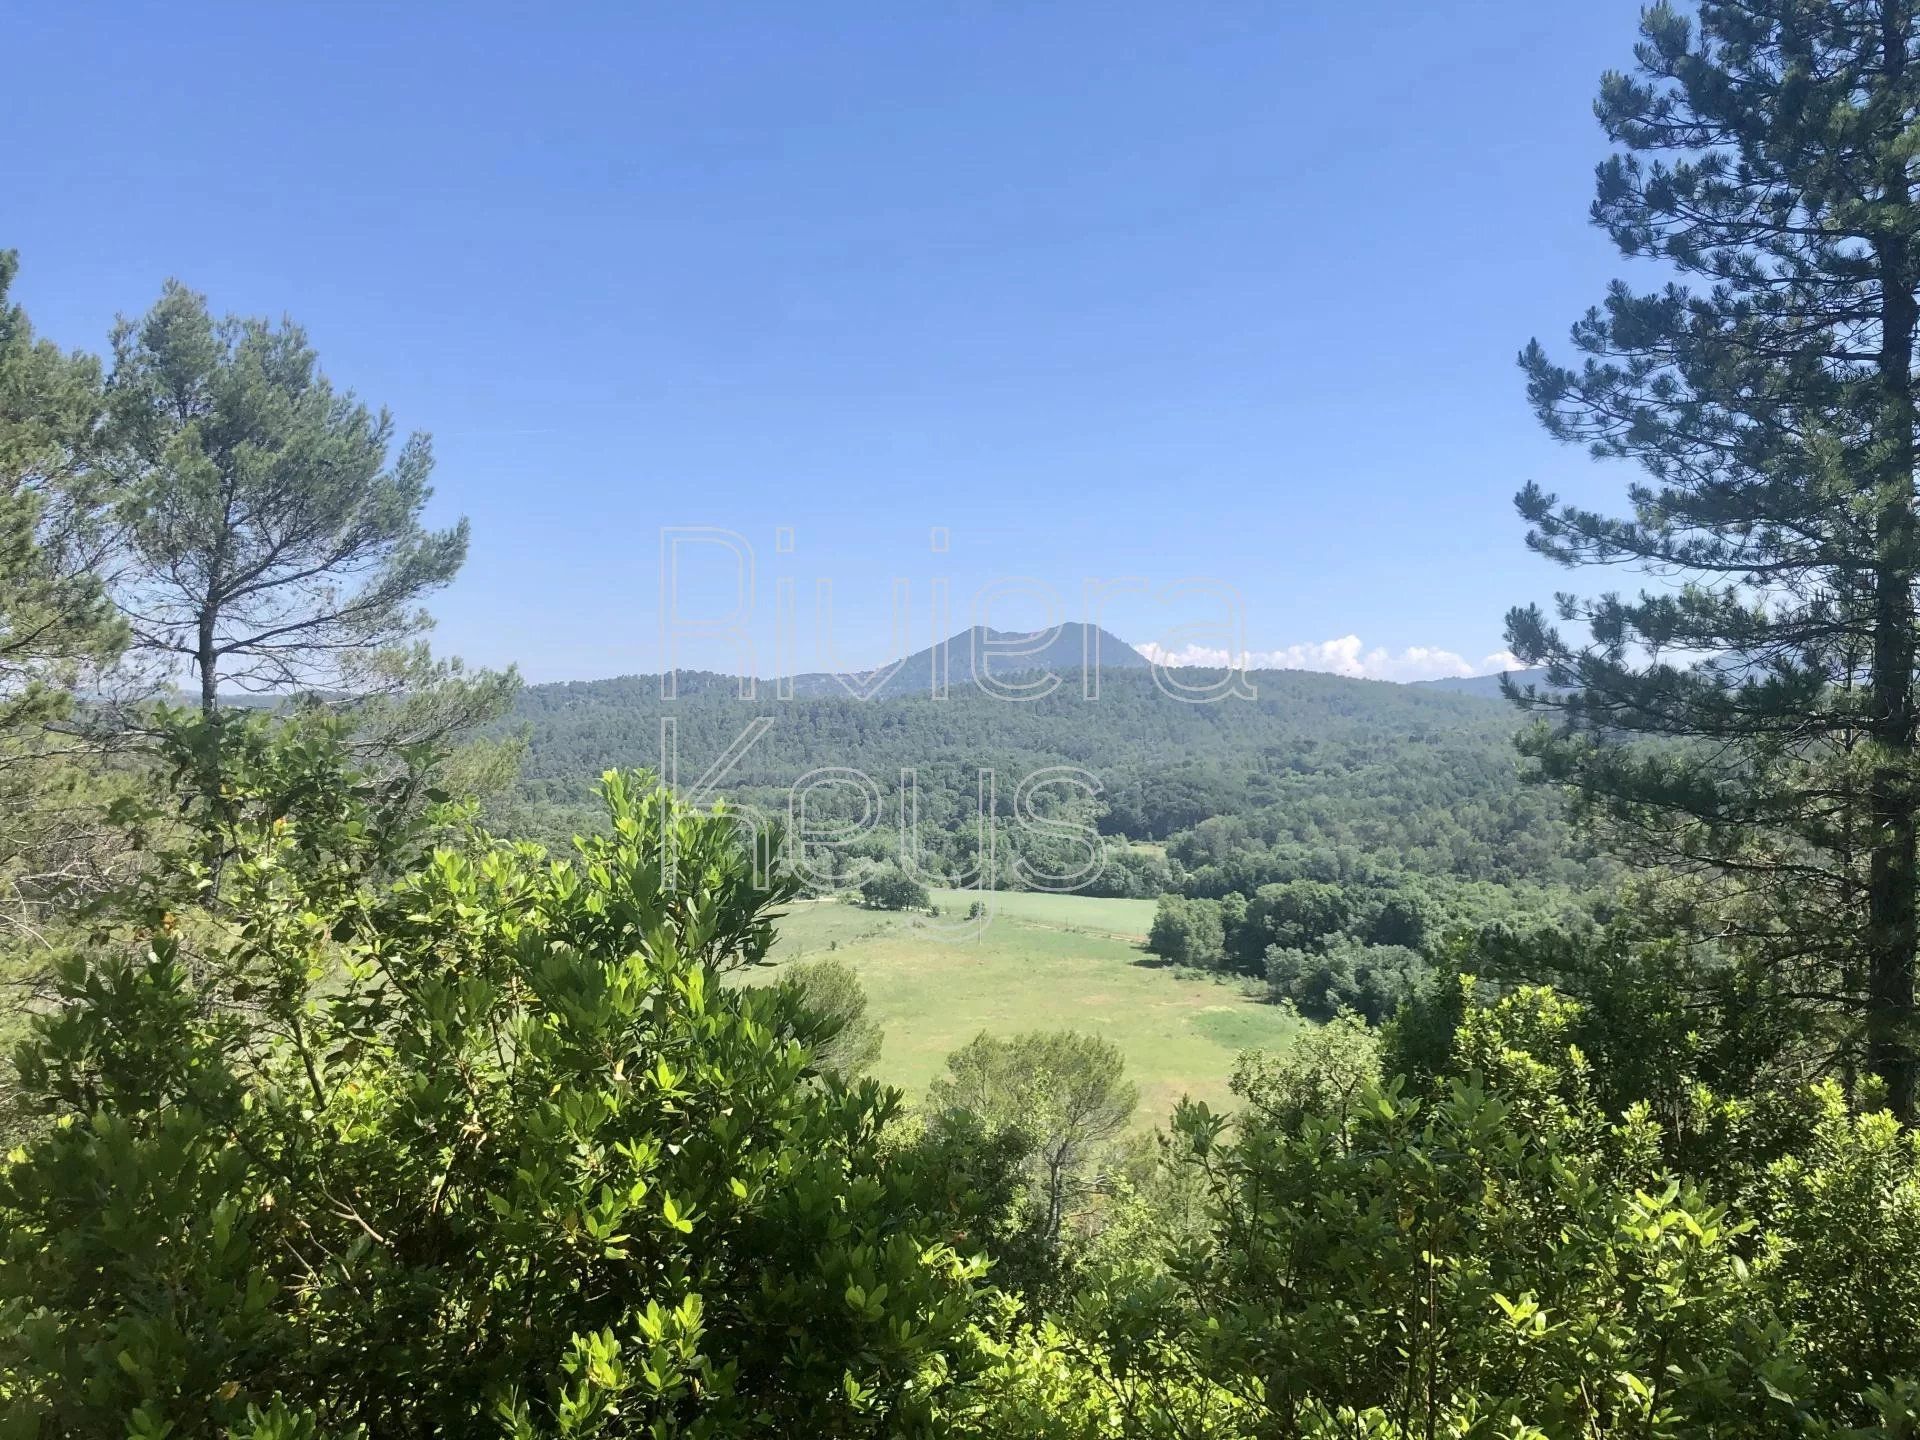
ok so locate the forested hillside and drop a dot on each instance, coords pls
(1323, 836)
(1367, 775)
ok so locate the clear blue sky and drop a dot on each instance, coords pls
(1229, 290)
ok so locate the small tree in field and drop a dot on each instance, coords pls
(893, 889)
(844, 1039)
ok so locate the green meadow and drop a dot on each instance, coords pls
(1038, 962)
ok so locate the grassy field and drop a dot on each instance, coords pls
(1040, 962)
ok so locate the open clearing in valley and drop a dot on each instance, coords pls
(1041, 962)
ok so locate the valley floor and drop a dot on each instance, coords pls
(1039, 962)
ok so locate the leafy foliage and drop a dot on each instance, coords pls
(489, 1152)
(1498, 1255)
(1061, 1094)
(1325, 1073)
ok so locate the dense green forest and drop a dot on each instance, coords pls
(342, 1106)
(1359, 773)
(1326, 835)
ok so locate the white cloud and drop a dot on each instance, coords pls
(1344, 656)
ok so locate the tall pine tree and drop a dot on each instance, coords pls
(1765, 154)
(274, 532)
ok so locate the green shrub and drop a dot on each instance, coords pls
(489, 1151)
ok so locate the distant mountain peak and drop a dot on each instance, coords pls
(982, 657)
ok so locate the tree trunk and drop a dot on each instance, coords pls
(208, 659)
(1890, 882)
(1056, 1200)
(208, 662)
(1891, 934)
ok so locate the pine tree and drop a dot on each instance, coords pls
(54, 615)
(275, 537)
(57, 630)
(1765, 154)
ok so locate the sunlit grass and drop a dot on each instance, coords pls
(1040, 962)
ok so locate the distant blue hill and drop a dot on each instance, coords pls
(1485, 686)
